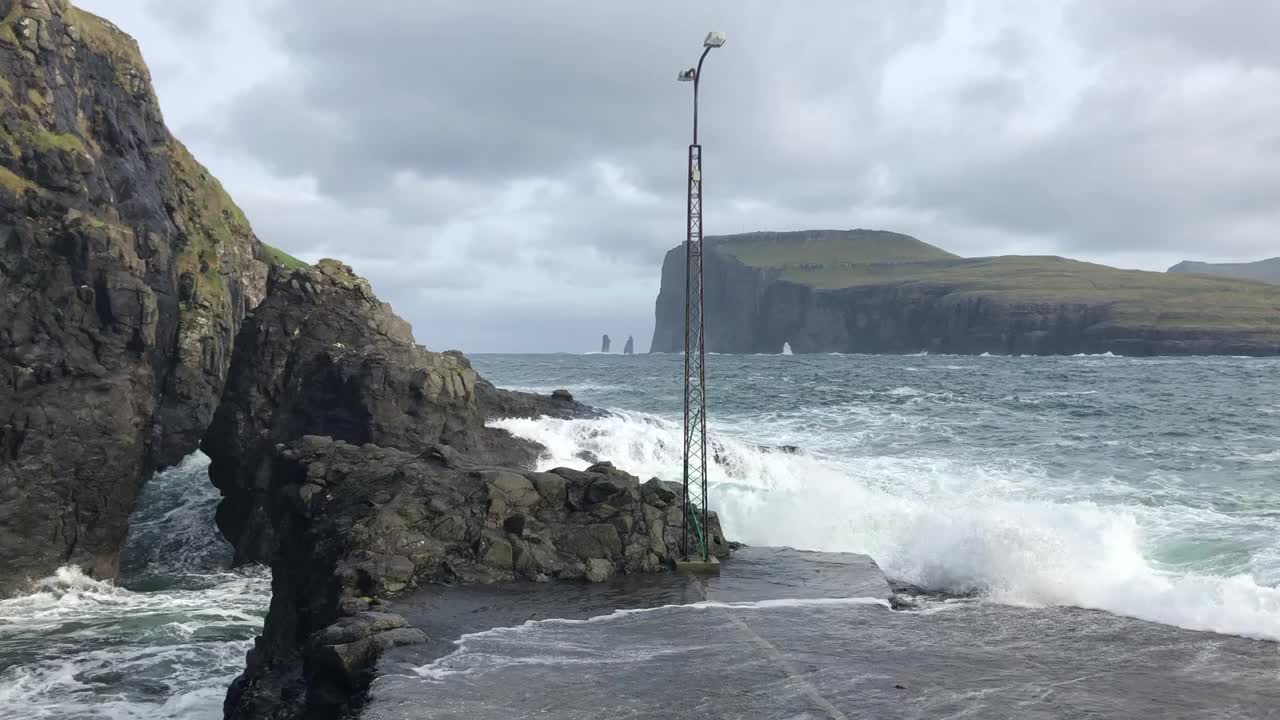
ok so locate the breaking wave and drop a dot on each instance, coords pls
(165, 646)
(947, 522)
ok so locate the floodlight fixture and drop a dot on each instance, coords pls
(714, 40)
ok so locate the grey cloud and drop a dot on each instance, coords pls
(1242, 31)
(521, 164)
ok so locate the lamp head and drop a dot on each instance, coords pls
(687, 75)
(714, 40)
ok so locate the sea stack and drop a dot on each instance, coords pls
(630, 348)
(605, 342)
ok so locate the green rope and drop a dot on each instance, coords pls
(697, 530)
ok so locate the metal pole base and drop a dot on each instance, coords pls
(698, 566)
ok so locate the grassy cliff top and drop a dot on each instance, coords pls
(1264, 270)
(1137, 298)
(830, 260)
(798, 253)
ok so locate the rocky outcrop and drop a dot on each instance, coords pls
(125, 272)
(1262, 270)
(605, 343)
(495, 403)
(358, 464)
(323, 356)
(630, 347)
(987, 305)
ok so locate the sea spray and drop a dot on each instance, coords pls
(942, 522)
(164, 646)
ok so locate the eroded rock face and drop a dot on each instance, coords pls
(323, 356)
(358, 464)
(357, 523)
(125, 271)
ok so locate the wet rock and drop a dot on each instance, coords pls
(360, 464)
(661, 492)
(344, 653)
(496, 404)
(403, 518)
(125, 273)
(599, 570)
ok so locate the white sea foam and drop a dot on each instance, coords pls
(464, 659)
(85, 648)
(947, 522)
(92, 649)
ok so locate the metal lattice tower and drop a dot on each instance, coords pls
(695, 377)
(694, 543)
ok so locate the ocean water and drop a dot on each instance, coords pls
(165, 643)
(1148, 488)
(1039, 509)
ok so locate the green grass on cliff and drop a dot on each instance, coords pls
(104, 37)
(13, 182)
(830, 260)
(829, 251)
(276, 256)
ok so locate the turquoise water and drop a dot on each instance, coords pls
(1144, 487)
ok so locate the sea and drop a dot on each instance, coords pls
(1063, 536)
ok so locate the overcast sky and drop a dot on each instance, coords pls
(509, 174)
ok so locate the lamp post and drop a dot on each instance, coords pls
(693, 536)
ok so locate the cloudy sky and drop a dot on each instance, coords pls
(509, 173)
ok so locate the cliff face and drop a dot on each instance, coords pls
(358, 465)
(125, 271)
(733, 295)
(1006, 306)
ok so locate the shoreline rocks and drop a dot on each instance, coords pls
(358, 465)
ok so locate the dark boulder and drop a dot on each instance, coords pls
(496, 403)
(323, 356)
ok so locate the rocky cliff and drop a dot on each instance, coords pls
(125, 271)
(358, 465)
(874, 292)
(1262, 270)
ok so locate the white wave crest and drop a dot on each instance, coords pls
(945, 523)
